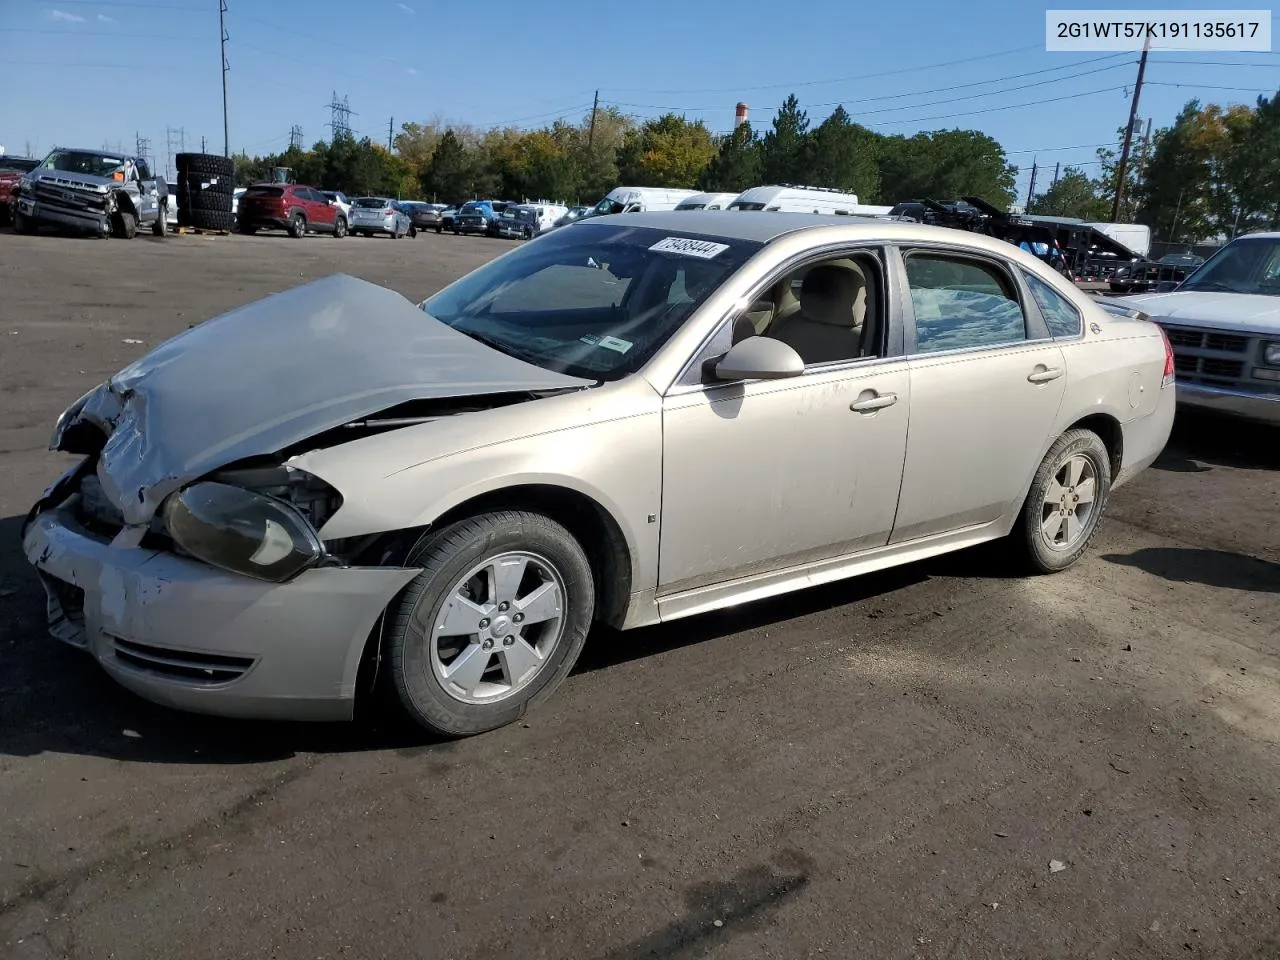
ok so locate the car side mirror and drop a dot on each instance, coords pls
(759, 358)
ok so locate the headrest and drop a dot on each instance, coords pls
(828, 294)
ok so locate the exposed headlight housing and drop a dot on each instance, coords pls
(1271, 354)
(242, 531)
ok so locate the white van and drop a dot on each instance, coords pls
(707, 201)
(545, 212)
(1135, 236)
(789, 199)
(636, 199)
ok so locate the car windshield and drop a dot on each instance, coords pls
(373, 203)
(473, 208)
(595, 302)
(1247, 265)
(606, 207)
(743, 205)
(76, 161)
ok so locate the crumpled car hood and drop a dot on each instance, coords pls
(1242, 312)
(274, 373)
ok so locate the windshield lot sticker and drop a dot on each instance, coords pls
(591, 339)
(613, 343)
(702, 249)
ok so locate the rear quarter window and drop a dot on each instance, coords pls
(1060, 315)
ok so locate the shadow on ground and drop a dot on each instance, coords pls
(1201, 441)
(1213, 568)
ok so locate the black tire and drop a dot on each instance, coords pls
(212, 219)
(204, 163)
(1028, 533)
(124, 225)
(297, 225)
(439, 228)
(204, 200)
(161, 226)
(248, 229)
(340, 227)
(23, 224)
(445, 557)
(413, 232)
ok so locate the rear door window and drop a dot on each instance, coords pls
(962, 303)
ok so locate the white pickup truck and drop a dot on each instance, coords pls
(1224, 324)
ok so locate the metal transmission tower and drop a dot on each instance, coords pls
(340, 113)
(142, 147)
(174, 137)
(295, 137)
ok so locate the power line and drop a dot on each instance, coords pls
(862, 76)
(134, 6)
(918, 93)
(1205, 86)
(104, 33)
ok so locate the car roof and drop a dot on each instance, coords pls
(763, 226)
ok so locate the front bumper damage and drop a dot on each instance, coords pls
(50, 201)
(186, 635)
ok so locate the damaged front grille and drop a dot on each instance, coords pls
(68, 193)
(206, 669)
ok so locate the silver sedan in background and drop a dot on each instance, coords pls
(643, 418)
(370, 215)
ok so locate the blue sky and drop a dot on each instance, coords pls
(103, 72)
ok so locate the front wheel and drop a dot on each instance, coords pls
(125, 225)
(22, 223)
(161, 226)
(413, 233)
(493, 623)
(297, 226)
(1065, 502)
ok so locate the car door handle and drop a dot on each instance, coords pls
(1044, 374)
(874, 402)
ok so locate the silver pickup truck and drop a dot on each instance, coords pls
(93, 191)
(1224, 324)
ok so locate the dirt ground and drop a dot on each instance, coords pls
(878, 768)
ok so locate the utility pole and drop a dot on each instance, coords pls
(141, 146)
(1128, 132)
(1056, 168)
(591, 134)
(203, 145)
(391, 126)
(226, 66)
(295, 137)
(173, 138)
(1031, 188)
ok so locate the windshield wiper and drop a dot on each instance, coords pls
(495, 344)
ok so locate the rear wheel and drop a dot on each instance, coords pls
(340, 227)
(1067, 497)
(493, 623)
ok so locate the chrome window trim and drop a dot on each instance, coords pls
(790, 265)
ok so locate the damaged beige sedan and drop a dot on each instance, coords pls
(630, 420)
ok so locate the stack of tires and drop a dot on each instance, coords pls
(206, 186)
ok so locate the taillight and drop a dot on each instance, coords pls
(1169, 374)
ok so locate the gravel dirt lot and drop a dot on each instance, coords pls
(878, 768)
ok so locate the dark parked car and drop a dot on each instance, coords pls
(477, 216)
(289, 206)
(518, 222)
(12, 170)
(424, 216)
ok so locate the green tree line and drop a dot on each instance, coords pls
(580, 162)
(1214, 171)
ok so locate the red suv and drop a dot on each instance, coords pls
(289, 206)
